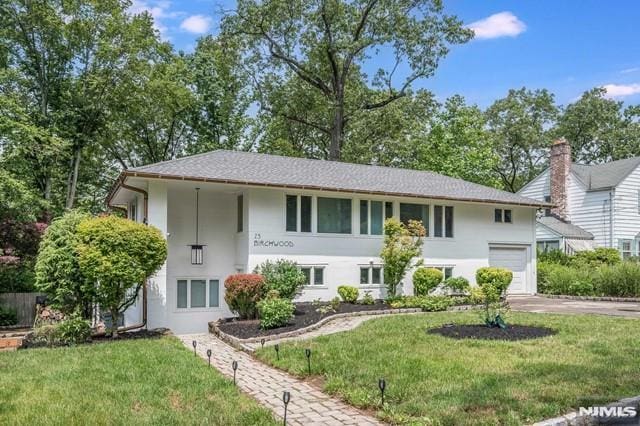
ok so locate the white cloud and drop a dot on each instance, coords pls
(621, 90)
(197, 24)
(503, 24)
(629, 70)
(160, 10)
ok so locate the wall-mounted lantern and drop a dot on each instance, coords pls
(197, 249)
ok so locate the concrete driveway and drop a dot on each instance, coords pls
(566, 306)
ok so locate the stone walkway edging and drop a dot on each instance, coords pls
(576, 419)
(239, 343)
(591, 298)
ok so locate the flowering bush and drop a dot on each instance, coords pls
(242, 293)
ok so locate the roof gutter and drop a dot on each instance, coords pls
(127, 173)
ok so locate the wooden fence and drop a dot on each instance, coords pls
(24, 304)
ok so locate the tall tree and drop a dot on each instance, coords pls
(326, 44)
(600, 129)
(519, 125)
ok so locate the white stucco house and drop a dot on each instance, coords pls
(326, 216)
(594, 205)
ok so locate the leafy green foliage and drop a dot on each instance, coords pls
(367, 299)
(74, 330)
(402, 244)
(493, 282)
(425, 280)
(8, 316)
(275, 312)
(242, 293)
(598, 257)
(58, 272)
(281, 275)
(554, 256)
(426, 303)
(17, 277)
(622, 279)
(117, 256)
(458, 284)
(619, 280)
(499, 278)
(348, 294)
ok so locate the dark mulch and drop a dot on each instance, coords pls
(305, 315)
(512, 332)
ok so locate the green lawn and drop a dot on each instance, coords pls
(155, 381)
(436, 380)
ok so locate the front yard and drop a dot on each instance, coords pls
(433, 379)
(151, 381)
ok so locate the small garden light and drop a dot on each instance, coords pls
(286, 397)
(194, 344)
(234, 365)
(262, 342)
(277, 348)
(209, 356)
(307, 353)
(382, 385)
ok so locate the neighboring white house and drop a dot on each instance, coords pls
(595, 205)
(327, 216)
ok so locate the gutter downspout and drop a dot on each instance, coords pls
(611, 198)
(145, 194)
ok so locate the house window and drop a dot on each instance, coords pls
(314, 275)
(501, 215)
(370, 217)
(239, 213)
(447, 271)
(388, 209)
(298, 218)
(415, 212)
(547, 199)
(371, 275)
(133, 211)
(198, 293)
(443, 221)
(547, 246)
(626, 249)
(334, 215)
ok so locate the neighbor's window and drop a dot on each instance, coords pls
(371, 217)
(415, 212)
(334, 215)
(314, 275)
(546, 246)
(195, 293)
(547, 199)
(298, 219)
(443, 221)
(502, 215)
(626, 249)
(240, 213)
(371, 275)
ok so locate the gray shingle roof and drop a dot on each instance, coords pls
(565, 229)
(277, 171)
(604, 176)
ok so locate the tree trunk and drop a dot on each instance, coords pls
(337, 130)
(73, 179)
(114, 323)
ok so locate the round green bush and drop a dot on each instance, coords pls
(460, 284)
(425, 280)
(242, 293)
(281, 275)
(275, 312)
(348, 293)
(499, 278)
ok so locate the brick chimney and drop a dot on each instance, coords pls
(560, 167)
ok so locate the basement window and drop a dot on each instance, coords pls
(198, 293)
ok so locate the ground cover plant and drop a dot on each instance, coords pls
(145, 381)
(432, 379)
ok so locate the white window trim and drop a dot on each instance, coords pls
(369, 222)
(312, 275)
(441, 267)
(189, 309)
(369, 283)
(502, 215)
(444, 223)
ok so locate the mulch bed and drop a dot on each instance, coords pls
(29, 342)
(305, 315)
(512, 332)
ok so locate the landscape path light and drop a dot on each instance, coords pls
(382, 386)
(234, 365)
(286, 397)
(307, 353)
(209, 356)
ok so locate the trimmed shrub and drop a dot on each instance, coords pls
(493, 283)
(281, 275)
(8, 316)
(242, 293)
(367, 299)
(459, 284)
(601, 256)
(621, 280)
(425, 280)
(348, 293)
(500, 278)
(426, 303)
(275, 312)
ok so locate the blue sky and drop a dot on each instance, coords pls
(566, 46)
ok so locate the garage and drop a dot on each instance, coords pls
(515, 259)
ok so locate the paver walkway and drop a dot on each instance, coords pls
(308, 405)
(567, 306)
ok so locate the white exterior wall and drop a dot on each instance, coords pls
(172, 210)
(538, 188)
(626, 208)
